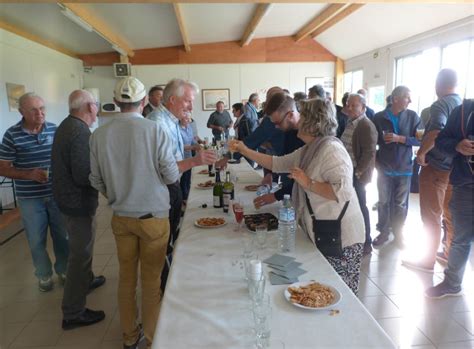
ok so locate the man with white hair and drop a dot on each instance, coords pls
(78, 201)
(178, 99)
(25, 156)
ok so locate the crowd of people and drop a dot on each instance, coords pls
(323, 154)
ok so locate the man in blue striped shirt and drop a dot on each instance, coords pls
(25, 156)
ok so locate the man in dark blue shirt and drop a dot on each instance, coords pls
(396, 127)
(457, 140)
(284, 116)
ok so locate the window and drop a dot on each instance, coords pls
(418, 72)
(377, 98)
(459, 56)
(353, 81)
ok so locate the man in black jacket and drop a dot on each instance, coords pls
(78, 202)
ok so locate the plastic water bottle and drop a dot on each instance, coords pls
(286, 226)
(263, 189)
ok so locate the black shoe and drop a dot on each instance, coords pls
(135, 345)
(96, 282)
(88, 317)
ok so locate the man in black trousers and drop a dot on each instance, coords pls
(78, 202)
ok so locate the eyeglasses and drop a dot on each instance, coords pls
(282, 120)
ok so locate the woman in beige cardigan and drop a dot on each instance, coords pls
(322, 169)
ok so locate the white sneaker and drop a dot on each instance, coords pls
(45, 284)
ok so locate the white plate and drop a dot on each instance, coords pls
(208, 227)
(305, 283)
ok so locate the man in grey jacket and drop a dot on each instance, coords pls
(131, 163)
(78, 202)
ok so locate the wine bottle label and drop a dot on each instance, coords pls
(217, 201)
(227, 199)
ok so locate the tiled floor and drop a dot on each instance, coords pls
(392, 293)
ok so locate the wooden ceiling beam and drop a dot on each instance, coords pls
(319, 20)
(182, 26)
(27, 35)
(260, 12)
(100, 27)
(336, 19)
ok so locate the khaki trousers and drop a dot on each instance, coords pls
(141, 241)
(435, 194)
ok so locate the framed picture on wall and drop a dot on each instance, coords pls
(211, 96)
(14, 92)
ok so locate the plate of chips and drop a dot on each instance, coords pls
(210, 222)
(312, 295)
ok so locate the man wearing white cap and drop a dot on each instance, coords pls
(131, 164)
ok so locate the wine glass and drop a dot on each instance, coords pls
(238, 213)
(231, 138)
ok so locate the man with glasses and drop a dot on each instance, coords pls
(283, 113)
(25, 156)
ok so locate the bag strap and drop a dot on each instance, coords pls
(311, 213)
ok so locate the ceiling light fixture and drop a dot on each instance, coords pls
(76, 19)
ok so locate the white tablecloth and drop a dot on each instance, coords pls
(206, 302)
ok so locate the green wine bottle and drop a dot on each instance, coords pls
(227, 192)
(218, 191)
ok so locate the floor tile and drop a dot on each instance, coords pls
(457, 345)
(380, 307)
(403, 332)
(41, 333)
(466, 320)
(442, 331)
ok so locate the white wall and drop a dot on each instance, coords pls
(241, 79)
(46, 72)
(381, 70)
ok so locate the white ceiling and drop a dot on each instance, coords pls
(377, 25)
(148, 25)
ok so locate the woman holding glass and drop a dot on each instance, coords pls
(322, 170)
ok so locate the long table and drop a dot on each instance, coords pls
(206, 303)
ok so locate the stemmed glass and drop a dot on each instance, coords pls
(238, 213)
(231, 138)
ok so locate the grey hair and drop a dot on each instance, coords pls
(79, 98)
(175, 87)
(362, 99)
(399, 91)
(24, 97)
(318, 118)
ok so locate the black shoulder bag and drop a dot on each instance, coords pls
(327, 232)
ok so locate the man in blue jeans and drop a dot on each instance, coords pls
(457, 139)
(25, 156)
(396, 127)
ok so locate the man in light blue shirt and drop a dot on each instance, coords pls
(251, 111)
(178, 98)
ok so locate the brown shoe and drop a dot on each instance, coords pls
(380, 240)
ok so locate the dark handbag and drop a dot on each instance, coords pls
(327, 232)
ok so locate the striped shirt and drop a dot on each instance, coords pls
(346, 137)
(28, 151)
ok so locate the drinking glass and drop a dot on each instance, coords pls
(262, 312)
(261, 235)
(247, 246)
(419, 133)
(256, 288)
(238, 213)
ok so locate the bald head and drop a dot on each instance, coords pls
(362, 92)
(272, 90)
(446, 82)
(82, 105)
